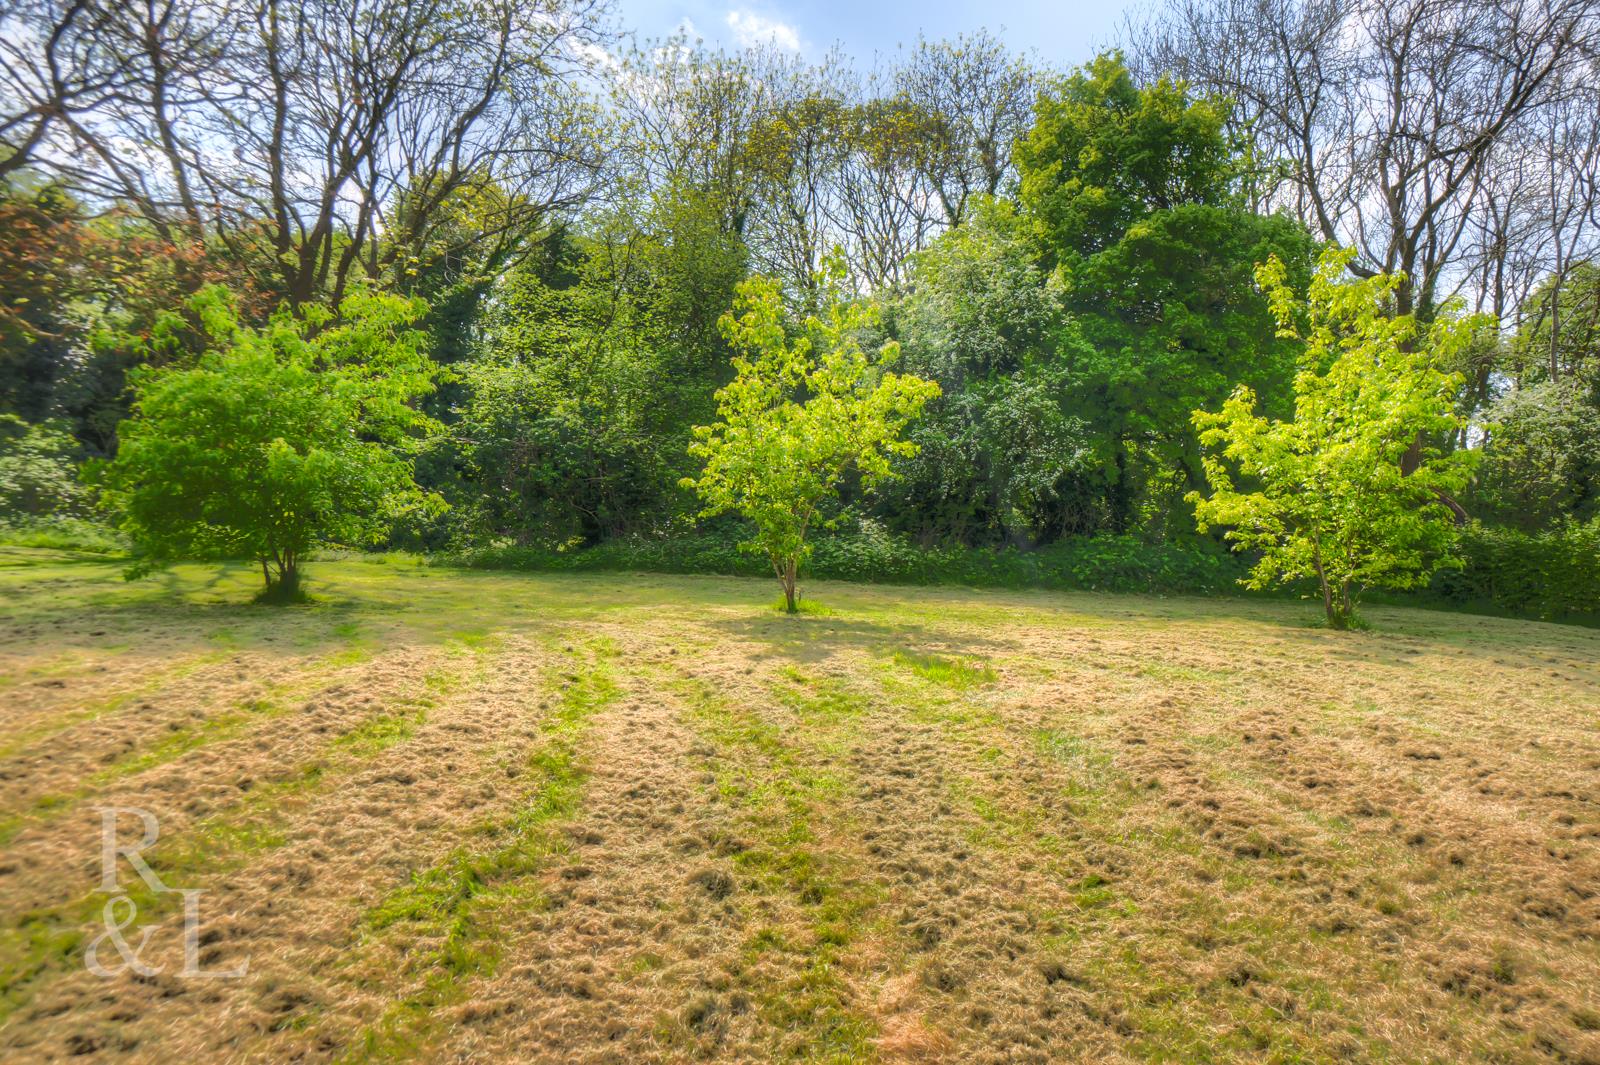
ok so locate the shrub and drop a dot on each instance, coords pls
(61, 533)
(1111, 563)
(1553, 574)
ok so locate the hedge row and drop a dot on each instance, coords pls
(1112, 564)
(1552, 575)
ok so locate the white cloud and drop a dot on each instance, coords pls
(751, 29)
(596, 58)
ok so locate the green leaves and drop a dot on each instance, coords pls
(276, 439)
(1133, 193)
(1353, 491)
(797, 416)
(1104, 152)
(38, 470)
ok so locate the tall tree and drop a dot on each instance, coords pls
(291, 133)
(980, 95)
(1388, 114)
(1135, 193)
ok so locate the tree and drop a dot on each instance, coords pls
(53, 62)
(1560, 335)
(799, 414)
(595, 365)
(318, 143)
(277, 439)
(981, 97)
(1327, 494)
(1000, 457)
(1541, 461)
(1390, 116)
(78, 298)
(1135, 196)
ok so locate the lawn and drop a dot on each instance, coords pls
(450, 815)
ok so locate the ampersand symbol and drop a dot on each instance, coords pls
(113, 932)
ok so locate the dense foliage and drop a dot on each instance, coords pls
(1098, 563)
(537, 229)
(276, 439)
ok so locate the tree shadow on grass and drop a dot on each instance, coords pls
(814, 638)
(185, 612)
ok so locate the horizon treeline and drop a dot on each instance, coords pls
(1069, 254)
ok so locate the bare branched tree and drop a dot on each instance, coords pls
(805, 157)
(296, 134)
(982, 95)
(55, 59)
(1395, 121)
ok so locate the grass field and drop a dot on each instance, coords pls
(455, 816)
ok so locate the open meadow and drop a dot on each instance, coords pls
(458, 816)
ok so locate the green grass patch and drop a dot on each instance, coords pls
(957, 673)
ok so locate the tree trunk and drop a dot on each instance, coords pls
(1121, 495)
(289, 576)
(282, 578)
(1327, 601)
(1336, 608)
(788, 573)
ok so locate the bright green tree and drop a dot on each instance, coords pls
(1351, 491)
(800, 413)
(275, 440)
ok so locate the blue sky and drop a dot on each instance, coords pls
(1063, 32)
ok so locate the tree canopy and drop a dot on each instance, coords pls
(277, 439)
(1350, 491)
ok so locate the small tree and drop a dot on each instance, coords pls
(798, 415)
(276, 439)
(1353, 490)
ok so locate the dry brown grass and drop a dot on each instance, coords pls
(469, 817)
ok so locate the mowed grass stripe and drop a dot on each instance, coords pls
(20, 740)
(45, 942)
(461, 904)
(1270, 987)
(241, 719)
(790, 791)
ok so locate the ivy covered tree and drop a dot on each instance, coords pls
(800, 413)
(277, 439)
(1353, 490)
